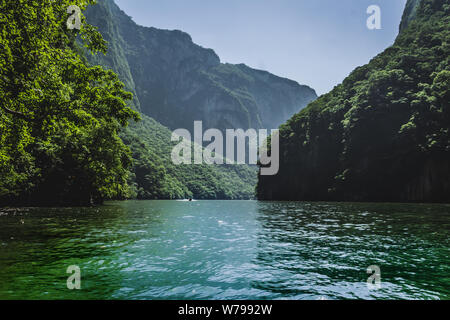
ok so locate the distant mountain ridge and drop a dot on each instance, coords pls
(176, 81)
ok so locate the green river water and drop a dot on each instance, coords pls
(226, 250)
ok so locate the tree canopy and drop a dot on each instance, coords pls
(59, 117)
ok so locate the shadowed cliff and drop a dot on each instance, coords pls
(383, 134)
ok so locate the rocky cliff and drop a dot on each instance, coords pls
(177, 81)
(409, 13)
(381, 135)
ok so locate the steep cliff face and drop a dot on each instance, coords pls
(381, 135)
(409, 14)
(177, 81)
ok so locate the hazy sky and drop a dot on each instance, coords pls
(315, 42)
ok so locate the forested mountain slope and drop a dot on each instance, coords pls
(383, 134)
(154, 176)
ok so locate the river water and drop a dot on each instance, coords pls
(226, 250)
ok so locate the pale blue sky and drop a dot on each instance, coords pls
(315, 42)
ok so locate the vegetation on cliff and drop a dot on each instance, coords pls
(381, 135)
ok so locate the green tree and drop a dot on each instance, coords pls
(59, 117)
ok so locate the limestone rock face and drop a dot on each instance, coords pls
(177, 82)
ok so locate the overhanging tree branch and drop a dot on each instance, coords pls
(15, 113)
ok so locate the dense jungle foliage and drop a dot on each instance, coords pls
(381, 135)
(59, 117)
